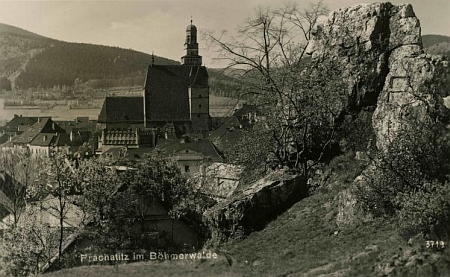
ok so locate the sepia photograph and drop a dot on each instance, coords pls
(213, 138)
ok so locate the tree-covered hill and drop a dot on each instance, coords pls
(63, 63)
(436, 44)
(8, 29)
(30, 60)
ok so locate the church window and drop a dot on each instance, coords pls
(186, 168)
(199, 106)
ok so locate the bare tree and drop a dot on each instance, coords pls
(62, 181)
(19, 171)
(299, 99)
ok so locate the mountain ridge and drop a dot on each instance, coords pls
(29, 60)
(10, 29)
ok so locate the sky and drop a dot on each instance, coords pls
(159, 25)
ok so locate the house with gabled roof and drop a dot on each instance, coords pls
(18, 124)
(190, 155)
(45, 134)
(42, 126)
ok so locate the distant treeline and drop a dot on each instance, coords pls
(436, 44)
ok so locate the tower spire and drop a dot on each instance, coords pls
(191, 46)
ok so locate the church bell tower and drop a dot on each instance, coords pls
(191, 47)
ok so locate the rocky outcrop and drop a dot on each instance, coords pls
(362, 38)
(380, 51)
(413, 91)
(253, 208)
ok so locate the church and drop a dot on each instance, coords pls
(175, 102)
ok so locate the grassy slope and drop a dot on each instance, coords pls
(304, 241)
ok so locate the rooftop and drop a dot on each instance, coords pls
(122, 109)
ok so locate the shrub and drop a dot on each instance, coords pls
(426, 210)
(408, 180)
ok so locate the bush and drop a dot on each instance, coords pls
(426, 210)
(408, 181)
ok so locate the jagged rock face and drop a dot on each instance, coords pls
(380, 49)
(413, 91)
(253, 208)
(361, 38)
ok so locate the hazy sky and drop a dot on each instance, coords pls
(159, 25)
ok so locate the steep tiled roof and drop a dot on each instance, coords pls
(44, 139)
(166, 90)
(166, 95)
(56, 139)
(205, 147)
(4, 138)
(167, 99)
(19, 121)
(80, 123)
(45, 125)
(227, 135)
(197, 75)
(122, 109)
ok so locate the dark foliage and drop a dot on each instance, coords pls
(63, 63)
(5, 84)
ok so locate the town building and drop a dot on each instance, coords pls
(175, 102)
(44, 135)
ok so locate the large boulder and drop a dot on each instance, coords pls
(251, 209)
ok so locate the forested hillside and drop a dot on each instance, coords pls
(436, 44)
(29, 60)
(63, 63)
